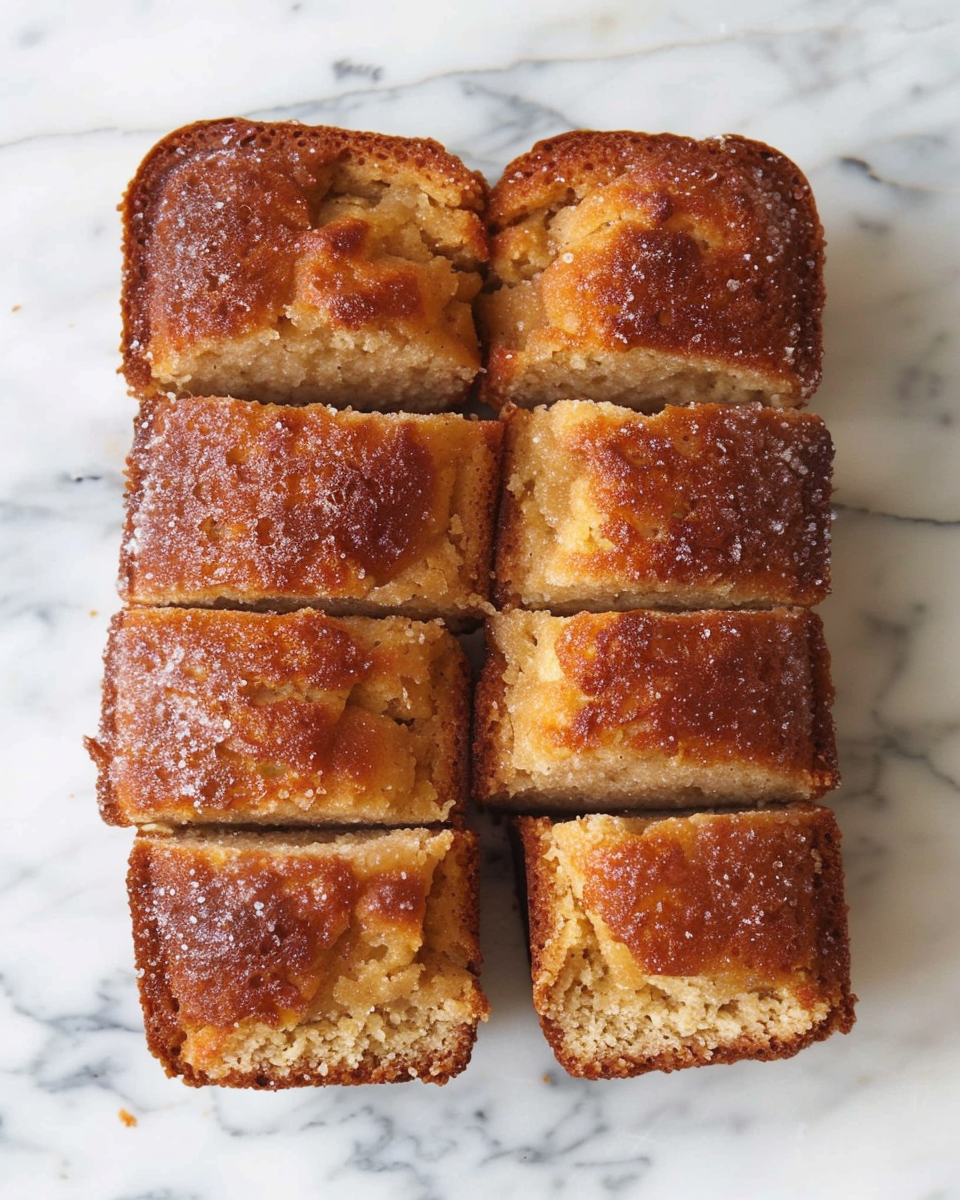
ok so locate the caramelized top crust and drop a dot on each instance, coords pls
(755, 898)
(650, 709)
(712, 496)
(228, 498)
(213, 716)
(711, 247)
(716, 686)
(220, 214)
(288, 922)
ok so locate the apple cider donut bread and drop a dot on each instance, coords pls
(644, 269)
(678, 942)
(237, 504)
(286, 262)
(705, 506)
(281, 960)
(298, 719)
(648, 710)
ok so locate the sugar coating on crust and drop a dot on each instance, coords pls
(235, 503)
(285, 960)
(653, 709)
(708, 506)
(644, 269)
(667, 943)
(300, 718)
(294, 263)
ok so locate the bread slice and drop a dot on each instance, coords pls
(645, 269)
(280, 960)
(709, 506)
(240, 504)
(665, 943)
(651, 710)
(295, 719)
(293, 263)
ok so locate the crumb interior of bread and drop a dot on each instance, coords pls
(422, 1038)
(397, 1007)
(638, 378)
(531, 773)
(299, 356)
(367, 370)
(605, 1016)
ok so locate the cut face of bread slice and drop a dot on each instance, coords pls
(283, 960)
(293, 263)
(645, 269)
(648, 710)
(710, 506)
(258, 505)
(301, 718)
(667, 943)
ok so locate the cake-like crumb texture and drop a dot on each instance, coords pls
(644, 269)
(707, 506)
(666, 943)
(647, 710)
(299, 718)
(283, 960)
(240, 504)
(301, 263)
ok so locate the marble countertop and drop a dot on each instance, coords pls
(865, 97)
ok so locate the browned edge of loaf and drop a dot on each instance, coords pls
(488, 703)
(509, 516)
(826, 765)
(542, 896)
(161, 1022)
(139, 205)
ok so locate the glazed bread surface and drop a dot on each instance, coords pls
(282, 960)
(650, 268)
(261, 505)
(677, 942)
(297, 264)
(706, 506)
(649, 710)
(298, 719)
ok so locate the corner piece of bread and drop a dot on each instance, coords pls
(706, 506)
(678, 942)
(650, 268)
(237, 504)
(652, 710)
(299, 263)
(283, 960)
(297, 718)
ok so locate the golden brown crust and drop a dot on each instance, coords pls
(245, 504)
(650, 709)
(752, 901)
(711, 506)
(298, 718)
(240, 940)
(708, 254)
(234, 227)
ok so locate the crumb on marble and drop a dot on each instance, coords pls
(127, 1118)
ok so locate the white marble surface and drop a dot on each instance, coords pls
(865, 96)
